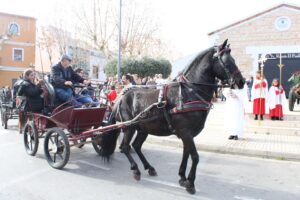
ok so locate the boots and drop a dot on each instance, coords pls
(255, 117)
(261, 117)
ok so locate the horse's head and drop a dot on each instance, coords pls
(225, 68)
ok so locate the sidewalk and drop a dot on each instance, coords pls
(261, 139)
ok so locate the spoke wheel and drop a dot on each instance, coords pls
(292, 100)
(81, 145)
(97, 140)
(2, 112)
(4, 117)
(57, 148)
(31, 138)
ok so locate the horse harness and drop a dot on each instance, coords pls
(181, 106)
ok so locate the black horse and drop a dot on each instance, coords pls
(182, 111)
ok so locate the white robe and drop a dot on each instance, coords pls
(234, 112)
(257, 93)
(274, 99)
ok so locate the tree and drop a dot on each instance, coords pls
(46, 41)
(143, 67)
(98, 24)
(138, 32)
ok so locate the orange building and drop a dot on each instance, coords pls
(17, 46)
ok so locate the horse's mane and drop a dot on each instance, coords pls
(197, 60)
(127, 89)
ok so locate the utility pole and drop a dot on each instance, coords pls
(120, 44)
(280, 65)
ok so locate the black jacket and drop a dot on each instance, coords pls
(32, 92)
(59, 76)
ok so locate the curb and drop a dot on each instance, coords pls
(229, 150)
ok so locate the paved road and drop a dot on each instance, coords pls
(87, 177)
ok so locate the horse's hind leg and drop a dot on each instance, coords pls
(137, 145)
(126, 150)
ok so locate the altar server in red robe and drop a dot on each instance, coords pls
(276, 100)
(259, 94)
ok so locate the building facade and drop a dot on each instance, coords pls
(17, 46)
(274, 33)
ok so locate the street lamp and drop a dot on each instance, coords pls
(120, 43)
(3, 38)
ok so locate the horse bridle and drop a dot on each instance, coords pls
(217, 55)
(230, 76)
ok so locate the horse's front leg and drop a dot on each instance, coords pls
(183, 165)
(188, 142)
(137, 145)
(126, 150)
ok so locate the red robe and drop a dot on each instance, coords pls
(276, 100)
(259, 92)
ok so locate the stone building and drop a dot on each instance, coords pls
(17, 46)
(274, 33)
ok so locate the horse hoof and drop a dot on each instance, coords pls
(137, 177)
(190, 190)
(152, 172)
(182, 182)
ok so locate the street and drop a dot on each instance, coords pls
(87, 176)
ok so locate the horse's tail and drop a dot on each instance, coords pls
(109, 138)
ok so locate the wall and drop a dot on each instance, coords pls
(260, 36)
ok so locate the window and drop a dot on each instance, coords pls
(14, 28)
(283, 23)
(18, 54)
(95, 72)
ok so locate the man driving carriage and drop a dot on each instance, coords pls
(63, 79)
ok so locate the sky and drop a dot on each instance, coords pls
(184, 24)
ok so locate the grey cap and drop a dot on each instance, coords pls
(66, 57)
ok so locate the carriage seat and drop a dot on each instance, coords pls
(51, 97)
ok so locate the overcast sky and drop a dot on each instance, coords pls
(183, 23)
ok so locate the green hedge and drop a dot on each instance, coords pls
(143, 67)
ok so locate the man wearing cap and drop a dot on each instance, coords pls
(62, 79)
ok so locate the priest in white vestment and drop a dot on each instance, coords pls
(234, 112)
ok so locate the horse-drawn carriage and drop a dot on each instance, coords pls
(294, 94)
(62, 126)
(8, 106)
(179, 108)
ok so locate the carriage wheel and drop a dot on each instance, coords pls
(31, 138)
(57, 148)
(292, 100)
(5, 122)
(97, 144)
(4, 117)
(81, 140)
(2, 122)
